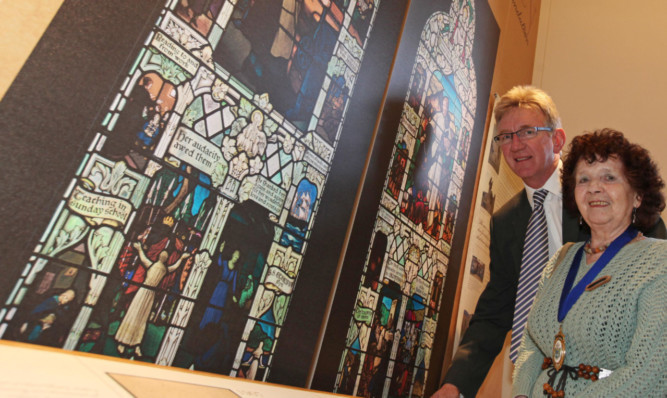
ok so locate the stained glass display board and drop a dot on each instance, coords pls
(431, 138)
(179, 232)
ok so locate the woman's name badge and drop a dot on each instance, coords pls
(558, 353)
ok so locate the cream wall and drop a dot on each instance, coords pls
(23, 24)
(605, 64)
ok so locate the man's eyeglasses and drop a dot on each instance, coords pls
(524, 134)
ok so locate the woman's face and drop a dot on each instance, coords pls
(604, 196)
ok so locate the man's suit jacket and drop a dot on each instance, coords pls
(494, 313)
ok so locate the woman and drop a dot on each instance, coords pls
(597, 328)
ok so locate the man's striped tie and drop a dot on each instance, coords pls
(535, 257)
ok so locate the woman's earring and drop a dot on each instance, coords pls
(634, 215)
(581, 220)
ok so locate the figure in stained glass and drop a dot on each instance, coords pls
(256, 356)
(332, 111)
(350, 372)
(199, 13)
(139, 105)
(301, 209)
(42, 324)
(417, 87)
(213, 334)
(131, 330)
(361, 18)
(397, 172)
(252, 139)
(376, 261)
(147, 137)
(374, 369)
(287, 58)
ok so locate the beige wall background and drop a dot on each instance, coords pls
(23, 24)
(605, 64)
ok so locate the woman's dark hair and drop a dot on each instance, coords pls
(640, 171)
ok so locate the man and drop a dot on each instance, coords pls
(529, 133)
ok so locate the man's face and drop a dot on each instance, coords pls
(532, 160)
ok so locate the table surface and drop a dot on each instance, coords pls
(28, 371)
